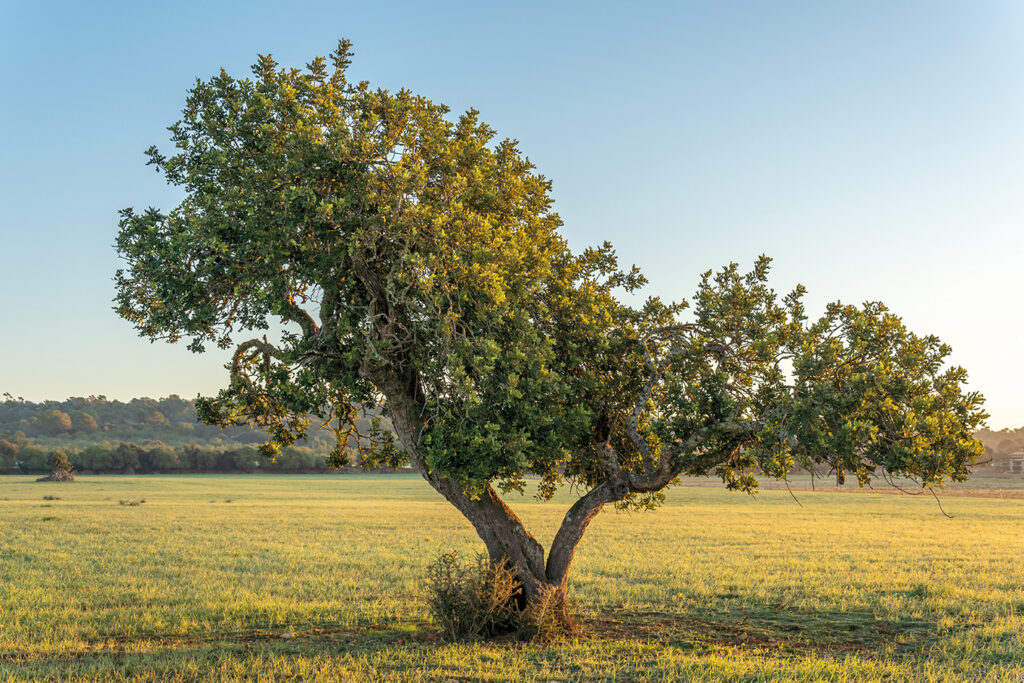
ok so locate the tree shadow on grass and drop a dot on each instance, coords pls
(353, 639)
(783, 630)
(759, 630)
(160, 656)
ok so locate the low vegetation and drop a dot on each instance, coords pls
(479, 599)
(291, 579)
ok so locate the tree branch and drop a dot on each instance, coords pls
(268, 350)
(574, 524)
(293, 312)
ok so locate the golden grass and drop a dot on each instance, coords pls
(714, 586)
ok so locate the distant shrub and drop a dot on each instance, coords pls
(247, 460)
(8, 454)
(85, 422)
(127, 456)
(97, 458)
(33, 459)
(159, 458)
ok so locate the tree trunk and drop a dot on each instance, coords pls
(502, 532)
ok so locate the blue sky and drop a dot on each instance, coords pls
(874, 149)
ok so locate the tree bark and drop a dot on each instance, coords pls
(570, 533)
(575, 524)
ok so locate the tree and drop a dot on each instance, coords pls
(154, 418)
(56, 422)
(60, 461)
(417, 267)
(8, 453)
(85, 423)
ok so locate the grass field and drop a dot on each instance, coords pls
(201, 580)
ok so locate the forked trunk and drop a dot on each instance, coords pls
(505, 537)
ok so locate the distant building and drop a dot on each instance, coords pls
(1016, 462)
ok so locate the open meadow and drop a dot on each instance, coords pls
(203, 578)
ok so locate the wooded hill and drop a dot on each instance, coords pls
(141, 435)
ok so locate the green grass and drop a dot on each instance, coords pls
(714, 586)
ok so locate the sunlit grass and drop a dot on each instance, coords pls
(202, 579)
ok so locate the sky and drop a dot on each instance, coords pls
(873, 149)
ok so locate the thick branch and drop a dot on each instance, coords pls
(575, 523)
(672, 456)
(294, 313)
(263, 346)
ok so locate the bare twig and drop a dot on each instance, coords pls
(939, 503)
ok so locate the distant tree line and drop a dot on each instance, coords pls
(95, 419)
(24, 456)
(142, 435)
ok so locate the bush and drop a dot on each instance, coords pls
(548, 618)
(480, 600)
(477, 600)
(247, 460)
(99, 458)
(159, 458)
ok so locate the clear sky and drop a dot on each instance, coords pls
(874, 149)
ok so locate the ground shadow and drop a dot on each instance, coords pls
(782, 629)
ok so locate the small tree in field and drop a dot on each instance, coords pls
(60, 467)
(417, 266)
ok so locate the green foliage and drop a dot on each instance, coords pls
(415, 263)
(854, 390)
(33, 459)
(59, 461)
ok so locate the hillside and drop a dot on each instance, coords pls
(144, 435)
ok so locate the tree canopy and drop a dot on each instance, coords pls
(416, 265)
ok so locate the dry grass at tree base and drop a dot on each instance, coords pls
(58, 476)
(715, 586)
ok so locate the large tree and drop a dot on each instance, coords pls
(406, 263)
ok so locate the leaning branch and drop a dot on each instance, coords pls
(575, 522)
(260, 345)
(295, 313)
